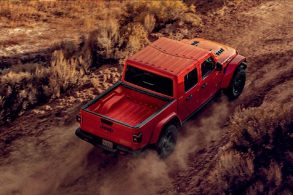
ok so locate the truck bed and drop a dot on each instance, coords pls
(126, 105)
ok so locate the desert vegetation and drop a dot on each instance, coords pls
(258, 156)
(109, 32)
(255, 155)
(116, 29)
(23, 87)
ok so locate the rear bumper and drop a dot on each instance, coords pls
(97, 141)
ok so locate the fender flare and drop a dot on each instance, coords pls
(160, 126)
(230, 69)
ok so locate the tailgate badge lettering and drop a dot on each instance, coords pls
(107, 128)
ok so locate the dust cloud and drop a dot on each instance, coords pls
(39, 165)
(202, 129)
(56, 162)
(147, 173)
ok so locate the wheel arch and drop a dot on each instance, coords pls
(161, 126)
(229, 70)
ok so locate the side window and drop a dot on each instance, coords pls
(190, 79)
(207, 67)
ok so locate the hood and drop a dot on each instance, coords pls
(222, 52)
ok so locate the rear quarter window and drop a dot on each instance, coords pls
(149, 80)
(190, 79)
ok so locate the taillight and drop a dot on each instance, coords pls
(137, 137)
(78, 118)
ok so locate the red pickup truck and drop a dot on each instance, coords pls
(161, 87)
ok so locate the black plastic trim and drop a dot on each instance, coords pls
(97, 141)
(243, 65)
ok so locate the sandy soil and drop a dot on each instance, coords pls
(41, 155)
(21, 40)
(35, 43)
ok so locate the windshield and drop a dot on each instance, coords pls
(149, 80)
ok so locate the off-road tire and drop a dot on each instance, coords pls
(237, 84)
(167, 142)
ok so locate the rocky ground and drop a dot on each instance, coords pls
(41, 155)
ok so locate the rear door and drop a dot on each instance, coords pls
(190, 101)
(209, 83)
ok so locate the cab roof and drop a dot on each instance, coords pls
(168, 55)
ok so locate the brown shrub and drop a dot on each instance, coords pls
(118, 29)
(149, 22)
(137, 38)
(258, 157)
(106, 38)
(232, 171)
(256, 127)
(274, 174)
(111, 21)
(163, 11)
(19, 92)
(23, 87)
(128, 29)
(191, 18)
(166, 10)
(256, 188)
(63, 73)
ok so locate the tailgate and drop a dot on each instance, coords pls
(116, 117)
(108, 129)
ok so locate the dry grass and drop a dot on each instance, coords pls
(149, 22)
(116, 30)
(20, 90)
(18, 13)
(232, 170)
(129, 25)
(258, 158)
(25, 86)
(119, 28)
(63, 73)
(112, 31)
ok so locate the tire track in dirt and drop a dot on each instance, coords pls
(261, 62)
(271, 71)
(197, 170)
(55, 162)
(255, 100)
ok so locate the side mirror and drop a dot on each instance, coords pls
(219, 66)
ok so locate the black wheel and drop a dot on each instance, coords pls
(237, 84)
(167, 142)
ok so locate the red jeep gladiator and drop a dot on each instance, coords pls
(162, 86)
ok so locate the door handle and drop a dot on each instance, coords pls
(204, 85)
(189, 97)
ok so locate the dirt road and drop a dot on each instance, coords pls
(44, 157)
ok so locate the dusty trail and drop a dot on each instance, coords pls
(49, 159)
(38, 168)
(270, 65)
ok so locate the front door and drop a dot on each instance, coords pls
(209, 83)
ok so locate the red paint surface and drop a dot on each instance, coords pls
(168, 58)
(127, 106)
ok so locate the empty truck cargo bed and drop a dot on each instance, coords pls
(126, 105)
